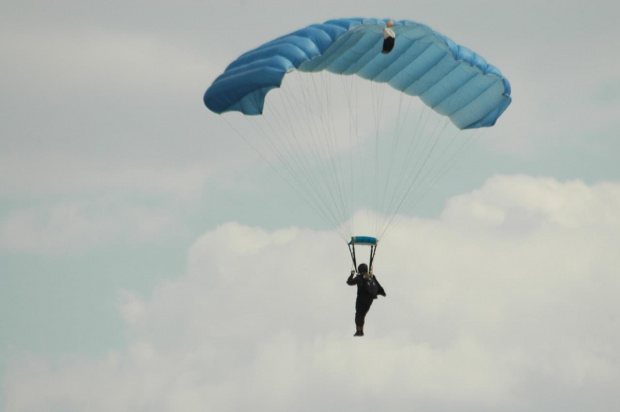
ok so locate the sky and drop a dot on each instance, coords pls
(149, 260)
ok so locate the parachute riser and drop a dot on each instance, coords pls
(352, 251)
(373, 250)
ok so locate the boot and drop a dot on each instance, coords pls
(359, 331)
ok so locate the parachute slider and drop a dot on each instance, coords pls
(363, 240)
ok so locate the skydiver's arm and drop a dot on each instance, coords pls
(352, 280)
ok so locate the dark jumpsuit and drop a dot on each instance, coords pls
(367, 291)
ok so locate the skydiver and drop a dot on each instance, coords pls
(368, 288)
(389, 37)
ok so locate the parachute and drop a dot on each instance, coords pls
(352, 129)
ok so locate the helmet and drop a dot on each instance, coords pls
(362, 268)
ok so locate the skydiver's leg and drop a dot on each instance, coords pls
(362, 306)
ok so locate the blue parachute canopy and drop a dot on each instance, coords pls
(451, 79)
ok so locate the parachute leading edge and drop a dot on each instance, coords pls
(451, 79)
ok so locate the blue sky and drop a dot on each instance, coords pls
(149, 260)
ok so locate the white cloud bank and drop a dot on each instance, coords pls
(508, 302)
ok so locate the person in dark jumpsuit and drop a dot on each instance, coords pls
(368, 288)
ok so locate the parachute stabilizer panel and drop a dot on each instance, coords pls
(451, 79)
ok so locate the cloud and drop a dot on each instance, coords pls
(506, 302)
(128, 62)
(571, 204)
(72, 227)
(90, 109)
(36, 175)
